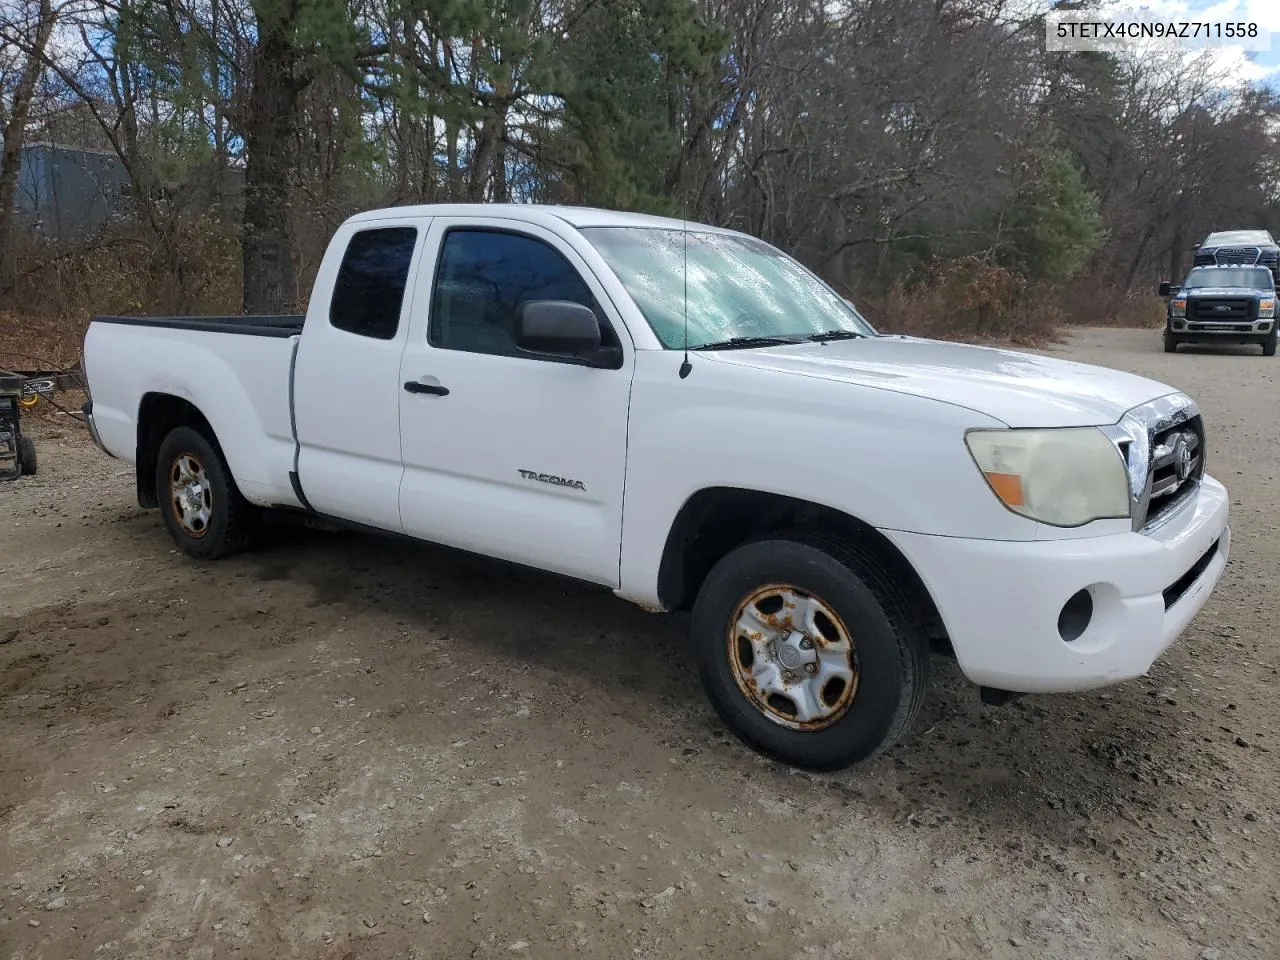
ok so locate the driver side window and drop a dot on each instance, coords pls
(483, 278)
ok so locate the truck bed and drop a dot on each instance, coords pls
(240, 383)
(284, 325)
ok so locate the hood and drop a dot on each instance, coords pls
(1020, 389)
(1200, 292)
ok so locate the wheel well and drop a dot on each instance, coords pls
(714, 521)
(157, 415)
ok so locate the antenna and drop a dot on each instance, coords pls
(686, 366)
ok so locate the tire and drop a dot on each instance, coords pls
(27, 463)
(224, 522)
(890, 652)
(1269, 344)
(1170, 344)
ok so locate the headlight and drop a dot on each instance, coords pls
(1267, 308)
(1178, 308)
(1065, 477)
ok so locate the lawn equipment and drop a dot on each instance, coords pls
(17, 453)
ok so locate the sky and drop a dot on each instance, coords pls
(1261, 68)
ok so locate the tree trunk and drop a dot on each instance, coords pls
(270, 275)
(501, 191)
(16, 127)
(1139, 255)
(482, 159)
(454, 180)
(428, 189)
(1179, 238)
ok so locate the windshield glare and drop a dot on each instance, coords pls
(737, 286)
(1252, 277)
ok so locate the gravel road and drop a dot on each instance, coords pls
(345, 747)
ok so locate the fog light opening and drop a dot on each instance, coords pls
(1076, 614)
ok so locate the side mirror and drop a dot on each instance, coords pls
(560, 328)
(1195, 246)
(1166, 288)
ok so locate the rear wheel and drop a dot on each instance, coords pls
(1170, 343)
(27, 456)
(808, 651)
(203, 511)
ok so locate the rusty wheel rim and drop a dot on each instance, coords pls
(191, 494)
(792, 657)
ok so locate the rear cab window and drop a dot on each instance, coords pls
(368, 294)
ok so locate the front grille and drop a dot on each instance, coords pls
(1177, 464)
(1204, 260)
(1221, 309)
(1237, 255)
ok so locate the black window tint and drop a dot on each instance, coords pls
(483, 278)
(371, 281)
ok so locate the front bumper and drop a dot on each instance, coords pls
(1180, 326)
(1000, 601)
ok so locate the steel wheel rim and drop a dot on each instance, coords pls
(792, 657)
(190, 494)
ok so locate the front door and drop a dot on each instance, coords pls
(506, 453)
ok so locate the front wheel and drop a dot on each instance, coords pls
(1170, 343)
(808, 650)
(203, 511)
(1269, 344)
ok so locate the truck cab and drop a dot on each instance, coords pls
(1222, 304)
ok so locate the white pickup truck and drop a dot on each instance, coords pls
(688, 417)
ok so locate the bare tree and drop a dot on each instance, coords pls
(26, 40)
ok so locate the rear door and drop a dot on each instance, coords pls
(346, 388)
(507, 453)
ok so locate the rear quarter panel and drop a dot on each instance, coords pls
(239, 382)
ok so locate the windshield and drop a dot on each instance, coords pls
(740, 290)
(1237, 236)
(1254, 278)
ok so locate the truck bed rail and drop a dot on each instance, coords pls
(252, 326)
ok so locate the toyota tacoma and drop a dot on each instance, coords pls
(688, 417)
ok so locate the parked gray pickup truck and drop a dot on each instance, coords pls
(1222, 304)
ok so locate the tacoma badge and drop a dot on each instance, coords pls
(552, 479)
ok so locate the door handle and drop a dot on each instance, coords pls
(413, 386)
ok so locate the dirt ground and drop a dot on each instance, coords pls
(345, 747)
